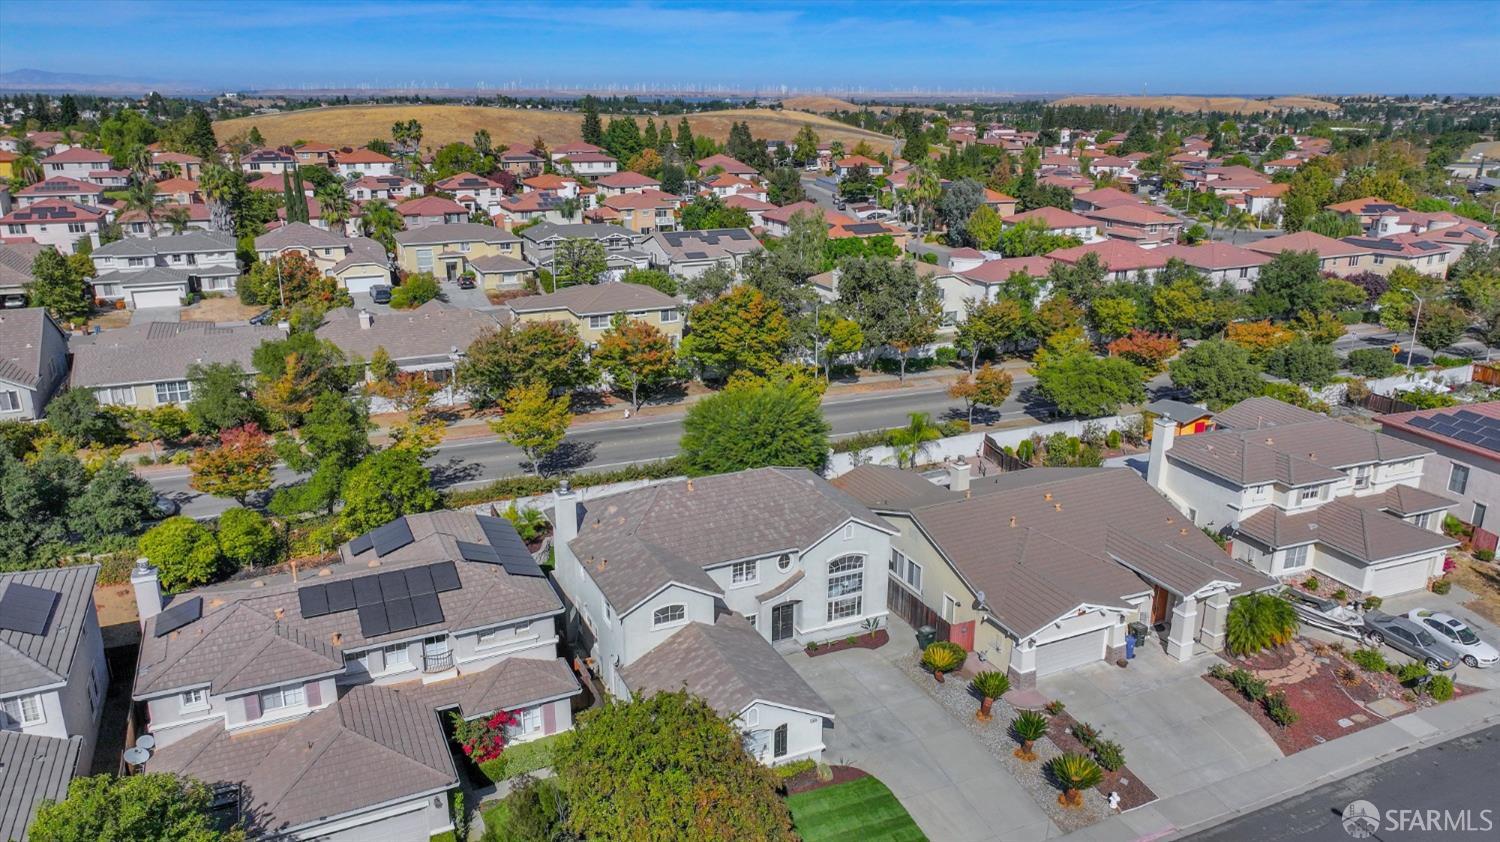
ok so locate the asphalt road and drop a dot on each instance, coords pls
(1456, 778)
(1378, 337)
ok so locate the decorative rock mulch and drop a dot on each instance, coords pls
(809, 780)
(869, 640)
(1132, 790)
(995, 736)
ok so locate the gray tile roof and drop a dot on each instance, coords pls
(299, 234)
(708, 244)
(431, 330)
(454, 232)
(500, 263)
(1260, 412)
(1363, 533)
(576, 230)
(596, 299)
(21, 342)
(33, 769)
(1177, 410)
(253, 634)
(15, 263)
(38, 660)
(1290, 454)
(159, 351)
(728, 665)
(188, 241)
(362, 250)
(634, 543)
(370, 747)
(510, 684)
(153, 276)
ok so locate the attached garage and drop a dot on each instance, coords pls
(362, 283)
(141, 298)
(1400, 578)
(1070, 652)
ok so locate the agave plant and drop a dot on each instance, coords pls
(943, 656)
(1075, 773)
(990, 685)
(1028, 727)
(1259, 621)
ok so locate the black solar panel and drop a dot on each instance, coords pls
(372, 620)
(179, 615)
(314, 601)
(393, 586)
(399, 615)
(367, 590)
(444, 577)
(27, 609)
(361, 544)
(508, 546)
(340, 596)
(427, 608)
(419, 581)
(1470, 436)
(478, 552)
(391, 537)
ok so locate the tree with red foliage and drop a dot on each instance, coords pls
(238, 467)
(1147, 350)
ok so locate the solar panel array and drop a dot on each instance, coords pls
(1465, 426)
(179, 615)
(27, 609)
(509, 549)
(393, 601)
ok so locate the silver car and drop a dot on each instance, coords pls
(1407, 637)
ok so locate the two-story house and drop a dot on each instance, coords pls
(431, 210)
(725, 164)
(62, 187)
(623, 248)
(475, 192)
(449, 250)
(56, 223)
(521, 164)
(357, 263)
(16, 260)
(176, 165)
(161, 271)
(53, 679)
(260, 162)
(1057, 221)
(391, 188)
(1465, 462)
(625, 182)
(688, 254)
(76, 163)
(363, 162)
(696, 582)
(431, 339)
(146, 365)
(644, 212)
(591, 308)
(591, 164)
(317, 706)
(561, 151)
(1137, 224)
(1224, 264)
(33, 362)
(1301, 495)
(1337, 256)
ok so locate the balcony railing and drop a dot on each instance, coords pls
(437, 663)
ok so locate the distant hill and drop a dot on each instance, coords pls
(828, 104)
(355, 125)
(1231, 104)
(30, 79)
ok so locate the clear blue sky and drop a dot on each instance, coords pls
(1118, 46)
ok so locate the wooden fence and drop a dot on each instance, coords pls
(1382, 405)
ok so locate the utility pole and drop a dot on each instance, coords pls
(1415, 322)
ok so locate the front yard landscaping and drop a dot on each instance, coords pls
(868, 640)
(860, 809)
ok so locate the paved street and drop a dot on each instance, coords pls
(1457, 777)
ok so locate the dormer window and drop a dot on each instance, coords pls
(195, 699)
(669, 615)
(744, 573)
(1307, 495)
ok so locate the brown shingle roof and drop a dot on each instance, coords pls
(595, 299)
(431, 330)
(1293, 454)
(37, 660)
(512, 683)
(1362, 533)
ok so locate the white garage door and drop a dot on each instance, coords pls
(1070, 652)
(1405, 578)
(364, 282)
(155, 298)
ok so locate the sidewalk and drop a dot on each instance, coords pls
(1200, 808)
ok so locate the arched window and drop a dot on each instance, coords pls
(669, 614)
(846, 585)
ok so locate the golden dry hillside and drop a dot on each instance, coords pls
(354, 125)
(826, 104)
(1231, 104)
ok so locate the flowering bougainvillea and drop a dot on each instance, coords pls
(483, 739)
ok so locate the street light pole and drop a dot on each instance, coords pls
(1415, 322)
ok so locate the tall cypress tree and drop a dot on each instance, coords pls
(593, 132)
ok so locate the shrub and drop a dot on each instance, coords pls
(527, 486)
(946, 355)
(184, 552)
(1445, 361)
(1440, 688)
(1340, 595)
(1075, 772)
(1249, 686)
(1109, 754)
(1412, 672)
(1485, 555)
(1279, 711)
(1311, 584)
(1442, 586)
(787, 771)
(1054, 707)
(953, 427)
(991, 684)
(1369, 660)
(1452, 526)
(418, 289)
(246, 539)
(1348, 677)
(521, 758)
(1085, 733)
(1259, 621)
(944, 656)
(1372, 362)
(1112, 441)
(1028, 726)
(1026, 449)
(1220, 671)
(1373, 602)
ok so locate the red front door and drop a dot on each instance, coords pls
(1159, 600)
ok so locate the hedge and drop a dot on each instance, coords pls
(529, 486)
(521, 758)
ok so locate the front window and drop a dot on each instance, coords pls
(743, 573)
(846, 584)
(1458, 480)
(1309, 494)
(76, 227)
(10, 401)
(116, 395)
(1296, 558)
(281, 698)
(528, 722)
(175, 391)
(778, 741)
(26, 710)
(195, 699)
(424, 260)
(898, 562)
(397, 657)
(669, 615)
(599, 322)
(914, 575)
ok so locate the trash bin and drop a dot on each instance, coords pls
(1138, 632)
(1129, 646)
(925, 636)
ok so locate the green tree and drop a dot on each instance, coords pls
(741, 330)
(59, 287)
(184, 552)
(754, 423)
(458, 158)
(1081, 384)
(76, 413)
(992, 325)
(837, 337)
(384, 486)
(116, 502)
(989, 386)
(240, 465)
(291, 372)
(123, 131)
(381, 222)
(221, 397)
(912, 441)
(246, 538)
(1331, 224)
(517, 354)
(1216, 372)
(958, 203)
(784, 187)
(636, 355)
(983, 228)
(591, 131)
(657, 279)
(578, 261)
(1031, 238)
(1288, 285)
(1304, 362)
(1113, 316)
(705, 212)
(152, 807)
(418, 289)
(534, 421)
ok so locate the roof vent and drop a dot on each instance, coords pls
(1047, 496)
(1012, 521)
(1269, 441)
(280, 612)
(338, 638)
(325, 572)
(1182, 531)
(1056, 507)
(690, 486)
(374, 562)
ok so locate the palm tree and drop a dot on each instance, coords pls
(912, 441)
(924, 189)
(170, 169)
(336, 206)
(141, 196)
(177, 217)
(138, 161)
(223, 188)
(1259, 621)
(26, 169)
(1028, 727)
(380, 222)
(568, 208)
(1075, 773)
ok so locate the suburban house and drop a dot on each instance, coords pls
(593, 164)
(176, 164)
(52, 687)
(991, 275)
(778, 221)
(1307, 496)
(1000, 203)
(54, 222)
(1465, 461)
(161, 271)
(1337, 256)
(313, 154)
(749, 204)
(1366, 211)
(430, 339)
(1187, 419)
(644, 212)
(16, 260)
(1264, 203)
(1137, 224)
(146, 365)
(431, 210)
(392, 188)
(178, 191)
(62, 187)
(315, 706)
(521, 164)
(362, 162)
(474, 192)
(267, 162)
(624, 249)
(447, 249)
(1106, 197)
(844, 166)
(33, 362)
(1122, 259)
(1416, 251)
(724, 163)
(571, 148)
(701, 568)
(76, 163)
(1058, 221)
(1221, 262)
(625, 182)
(564, 186)
(591, 308)
(725, 185)
(358, 263)
(133, 223)
(688, 254)
(1041, 571)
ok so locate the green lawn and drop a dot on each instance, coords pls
(862, 810)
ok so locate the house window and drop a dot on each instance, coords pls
(848, 531)
(752, 717)
(136, 261)
(528, 722)
(397, 657)
(1424, 520)
(898, 562)
(1458, 480)
(1362, 476)
(16, 229)
(743, 572)
(914, 575)
(778, 741)
(281, 698)
(424, 260)
(1354, 261)
(195, 699)
(76, 227)
(784, 563)
(174, 391)
(357, 659)
(599, 322)
(669, 615)
(846, 584)
(752, 619)
(1308, 494)
(10, 401)
(1245, 272)
(950, 609)
(1296, 558)
(1379, 259)
(116, 395)
(26, 710)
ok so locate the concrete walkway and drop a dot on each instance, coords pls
(954, 788)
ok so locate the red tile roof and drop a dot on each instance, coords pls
(997, 271)
(362, 156)
(1214, 256)
(625, 180)
(430, 206)
(1118, 255)
(77, 155)
(51, 210)
(1052, 218)
(1306, 241)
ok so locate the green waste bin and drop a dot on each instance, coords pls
(925, 636)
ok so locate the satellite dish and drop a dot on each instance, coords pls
(145, 741)
(135, 755)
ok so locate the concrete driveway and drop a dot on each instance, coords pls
(1178, 732)
(147, 315)
(954, 789)
(1451, 603)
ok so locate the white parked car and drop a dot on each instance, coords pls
(1454, 632)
